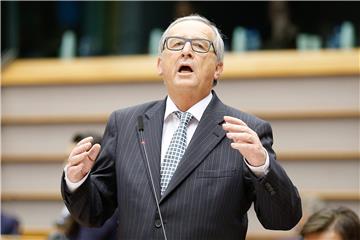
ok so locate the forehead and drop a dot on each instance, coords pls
(327, 235)
(192, 29)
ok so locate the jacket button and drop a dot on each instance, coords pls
(268, 187)
(158, 223)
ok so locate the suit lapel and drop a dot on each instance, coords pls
(153, 125)
(207, 135)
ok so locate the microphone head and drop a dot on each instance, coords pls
(140, 123)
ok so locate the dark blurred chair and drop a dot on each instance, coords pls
(9, 225)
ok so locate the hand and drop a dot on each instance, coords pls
(245, 140)
(81, 159)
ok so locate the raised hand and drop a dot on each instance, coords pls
(81, 159)
(245, 140)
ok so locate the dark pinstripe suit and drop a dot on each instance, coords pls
(209, 194)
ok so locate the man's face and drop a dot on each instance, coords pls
(186, 71)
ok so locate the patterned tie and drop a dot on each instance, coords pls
(175, 150)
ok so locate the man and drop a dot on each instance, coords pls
(205, 191)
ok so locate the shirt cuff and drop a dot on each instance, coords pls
(262, 170)
(73, 186)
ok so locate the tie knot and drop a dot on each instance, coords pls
(184, 117)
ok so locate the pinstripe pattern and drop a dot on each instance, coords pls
(209, 194)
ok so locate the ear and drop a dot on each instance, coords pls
(159, 66)
(218, 70)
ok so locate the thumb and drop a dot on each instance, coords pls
(94, 152)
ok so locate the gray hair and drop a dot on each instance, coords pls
(218, 42)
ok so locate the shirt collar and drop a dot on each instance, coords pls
(197, 110)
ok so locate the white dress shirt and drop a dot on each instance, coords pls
(171, 122)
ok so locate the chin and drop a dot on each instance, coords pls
(186, 86)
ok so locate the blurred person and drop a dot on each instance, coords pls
(10, 225)
(188, 166)
(183, 8)
(310, 205)
(66, 228)
(283, 30)
(332, 224)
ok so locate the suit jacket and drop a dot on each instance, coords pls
(209, 194)
(106, 232)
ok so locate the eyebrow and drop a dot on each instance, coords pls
(189, 38)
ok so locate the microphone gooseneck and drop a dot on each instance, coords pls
(140, 124)
(142, 142)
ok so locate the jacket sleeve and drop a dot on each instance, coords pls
(277, 202)
(95, 200)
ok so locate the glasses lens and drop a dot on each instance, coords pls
(201, 45)
(198, 45)
(173, 43)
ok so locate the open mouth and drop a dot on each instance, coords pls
(185, 69)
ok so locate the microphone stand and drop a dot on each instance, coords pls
(142, 142)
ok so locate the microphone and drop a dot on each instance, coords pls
(142, 142)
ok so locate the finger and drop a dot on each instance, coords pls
(240, 146)
(75, 160)
(233, 120)
(244, 148)
(88, 164)
(240, 137)
(236, 128)
(237, 145)
(80, 149)
(94, 152)
(85, 140)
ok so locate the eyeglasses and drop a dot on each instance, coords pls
(198, 45)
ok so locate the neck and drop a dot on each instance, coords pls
(185, 101)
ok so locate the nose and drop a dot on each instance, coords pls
(187, 50)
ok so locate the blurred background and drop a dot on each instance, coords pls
(67, 65)
(37, 29)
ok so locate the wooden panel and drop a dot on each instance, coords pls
(40, 196)
(37, 231)
(80, 71)
(292, 63)
(335, 196)
(24, 237)
(95, 70)
(312, 155)
(34, 158)
(54, 120)
(270, 236)
(102, 118)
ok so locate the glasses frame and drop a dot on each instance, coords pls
(190, 41)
